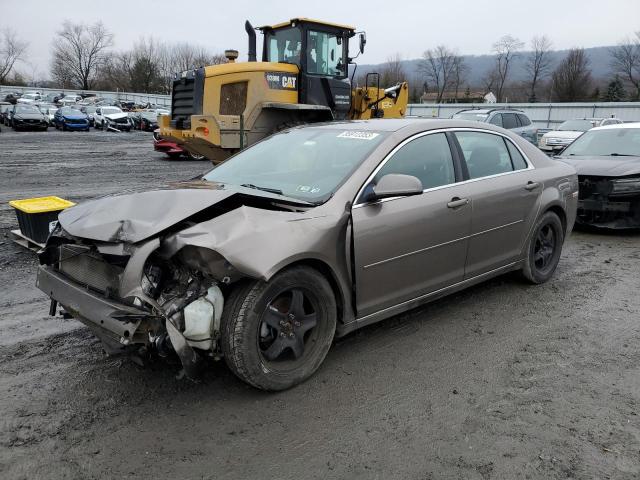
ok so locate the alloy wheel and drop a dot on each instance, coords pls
(544, 248)
(287, 326)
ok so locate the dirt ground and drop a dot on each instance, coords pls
(502, 381)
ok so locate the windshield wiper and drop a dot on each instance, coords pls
(621, 155)
(264, 189)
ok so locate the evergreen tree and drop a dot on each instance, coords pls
(615, 91)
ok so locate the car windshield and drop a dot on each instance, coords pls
(576, 125)
(70, 111)
(475, 116)
(606, 142)
(27, 109)
(90, 109)
(110, 110)
(308, 164)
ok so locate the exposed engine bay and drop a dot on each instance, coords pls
(159, 294)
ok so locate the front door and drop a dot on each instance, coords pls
(405, 247)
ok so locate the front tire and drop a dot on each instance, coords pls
(276, 334)
(195, 156)
(543, 249)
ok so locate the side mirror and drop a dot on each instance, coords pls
(395, 185)
(363, 41)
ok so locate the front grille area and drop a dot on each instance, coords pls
(123, 120)
(233, 98)
(186, 98)
(593, 186)
(87, 267)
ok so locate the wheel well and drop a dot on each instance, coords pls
(327, 273)
(559, 211)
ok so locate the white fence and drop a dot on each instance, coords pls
(544, 115)
(140, 98)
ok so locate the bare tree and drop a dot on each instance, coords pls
(79, 51)
(626, 62)
(439, 65)
(12, 50)
(571, 80)
(538, 64)
(392, 72)
(460, 70)
(505, 49)
(489, 80)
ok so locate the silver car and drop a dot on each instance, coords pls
(307, 235)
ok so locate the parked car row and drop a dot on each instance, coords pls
(76, 117)
(74, 99)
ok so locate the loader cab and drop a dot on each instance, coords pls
(321, 52)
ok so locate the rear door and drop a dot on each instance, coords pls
(503, 189)
(405, 247)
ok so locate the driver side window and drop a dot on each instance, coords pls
(325, 54)
(428, 158)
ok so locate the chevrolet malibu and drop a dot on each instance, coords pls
(310, 234)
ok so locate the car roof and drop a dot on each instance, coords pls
(490, 110)
(619, 125)
(397, 124)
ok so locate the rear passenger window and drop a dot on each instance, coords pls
(428, 158)
(496, 120)
(509, 120)
(524, 120)
(485, 154)
(517, 159)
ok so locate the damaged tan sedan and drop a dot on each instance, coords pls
(308, 235)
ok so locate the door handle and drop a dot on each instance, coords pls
(457, 202)
(531, 186)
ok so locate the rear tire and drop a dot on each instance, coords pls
(544, 248)
(195, 156)
(276, 334)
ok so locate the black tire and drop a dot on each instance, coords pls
(544, 248)
(270, 340)
(174, 156)
(195, 156)
(64, 127)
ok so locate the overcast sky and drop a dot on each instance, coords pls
(408, 27)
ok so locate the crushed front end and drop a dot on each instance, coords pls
(609, 202)
(136, 298)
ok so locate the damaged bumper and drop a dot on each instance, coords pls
(601, 206)
(113, 322)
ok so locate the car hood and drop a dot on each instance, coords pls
(75, 117)
(136, 216)
(29, 116)
(563, 134)
(115, 116)
(604, 166)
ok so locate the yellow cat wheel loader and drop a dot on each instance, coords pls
(303, 77)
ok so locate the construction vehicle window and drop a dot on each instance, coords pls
(284, 46)
(325, 54)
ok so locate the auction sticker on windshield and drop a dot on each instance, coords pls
(358, 135)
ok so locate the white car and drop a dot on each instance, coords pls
(111, 118)
(69, 100)
(49, 111)
(29, 98)
(568, 131)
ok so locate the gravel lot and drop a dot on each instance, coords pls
(501, 381)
